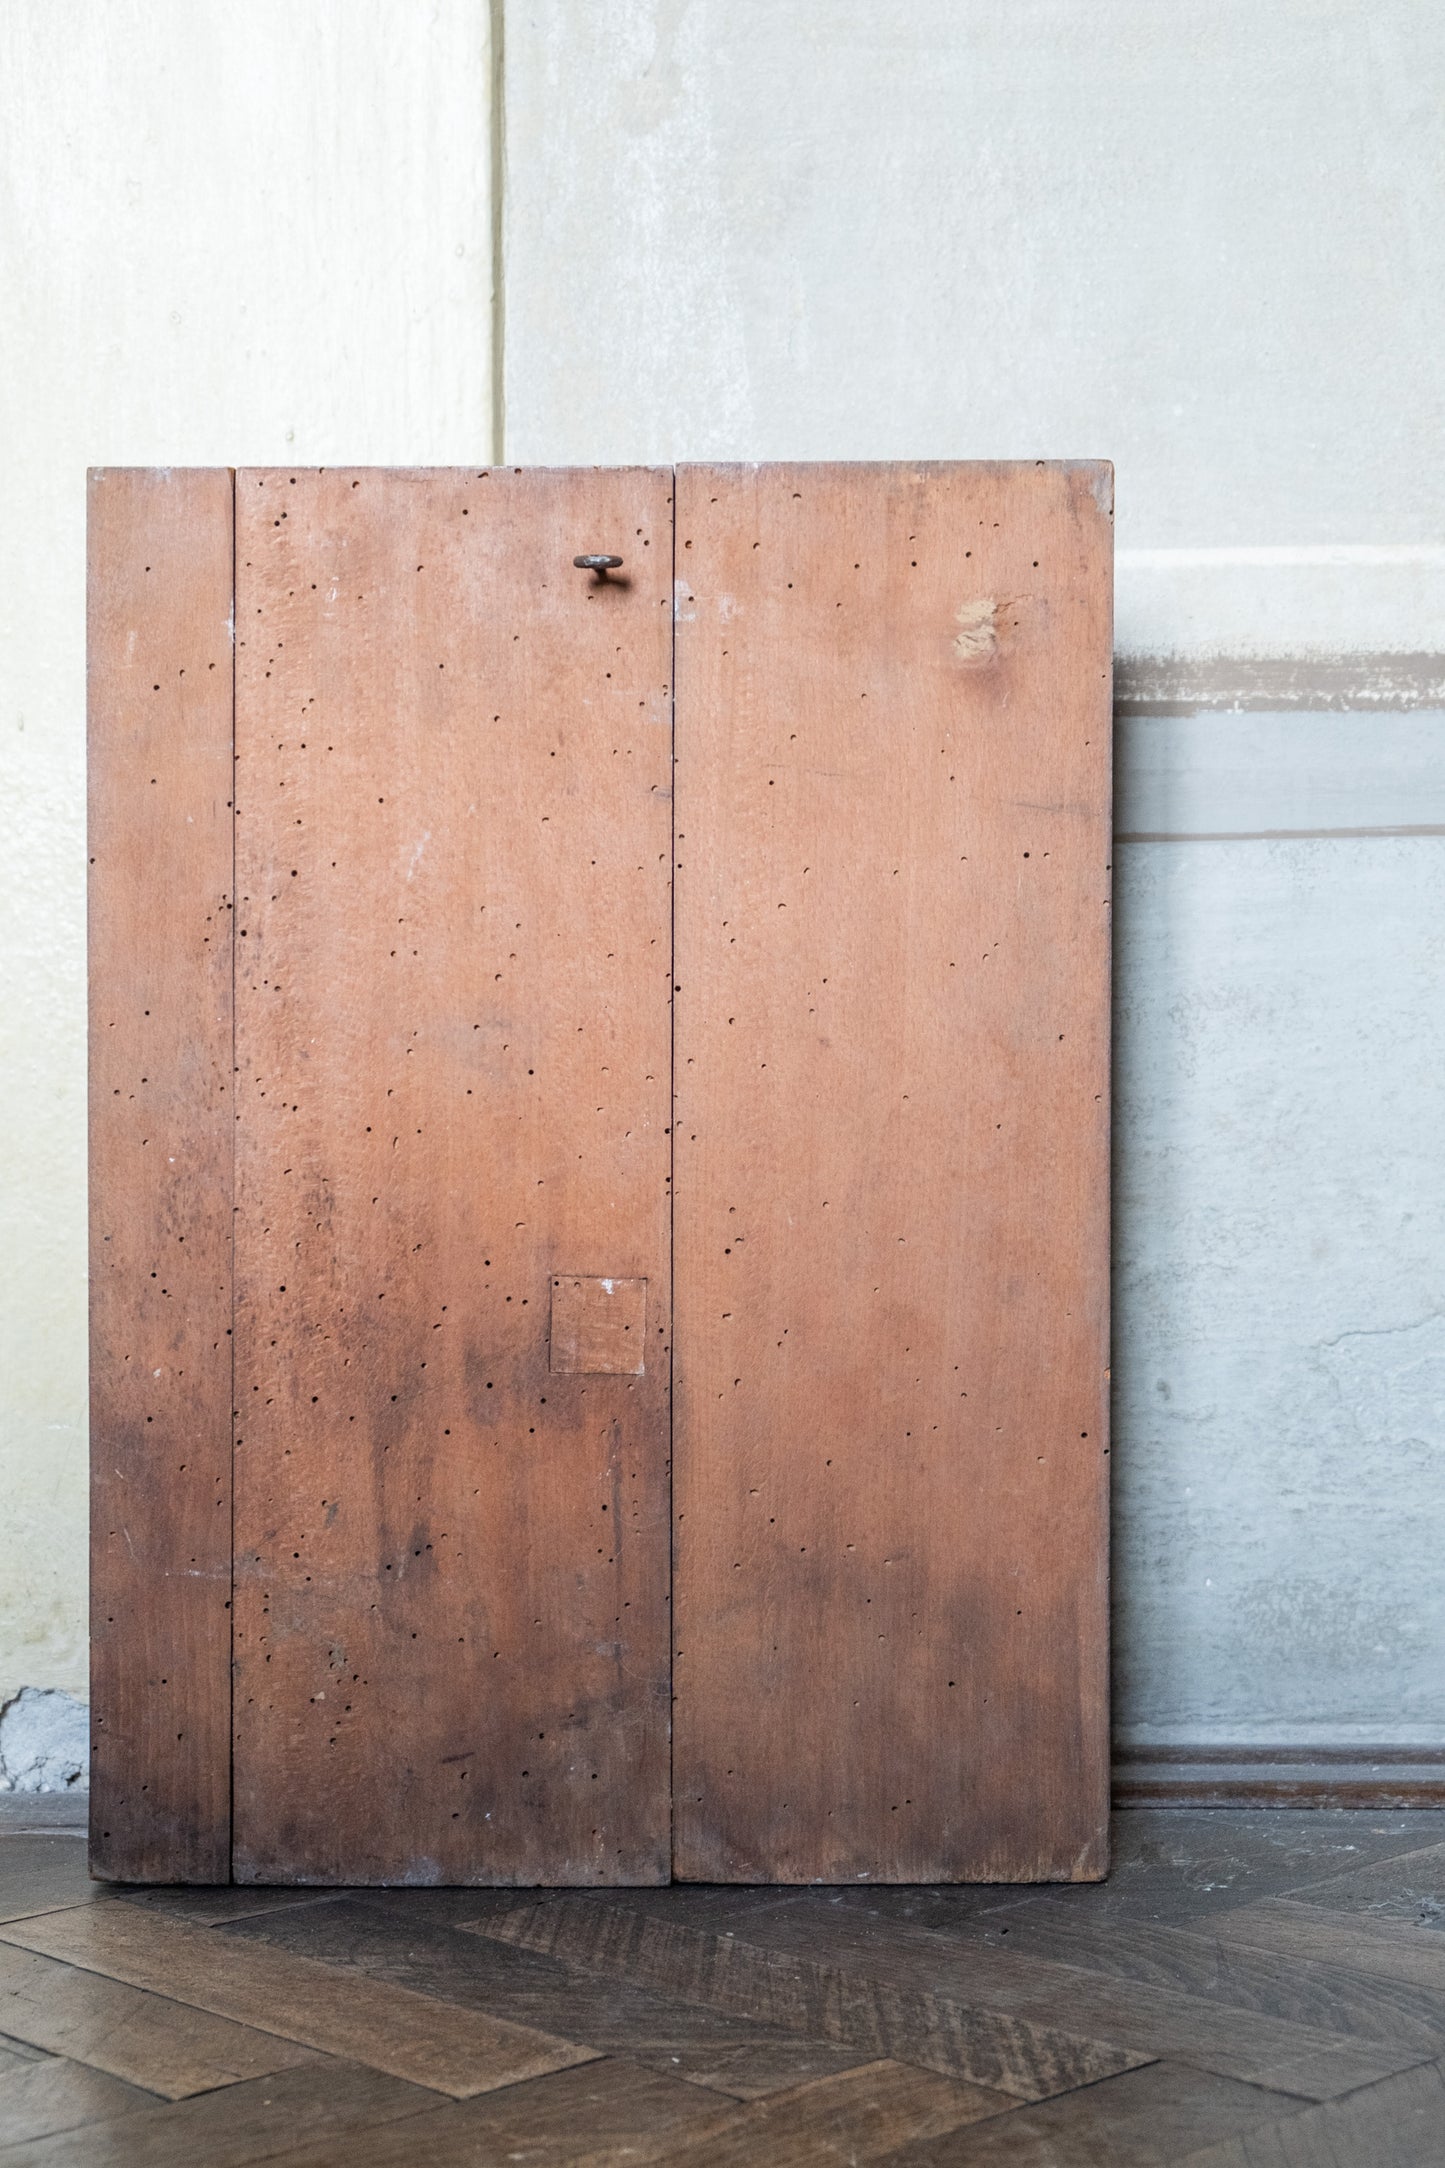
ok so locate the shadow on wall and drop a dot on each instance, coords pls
(44, 1742)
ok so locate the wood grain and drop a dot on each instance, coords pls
(160, 924)
(144, 2038)
(51, 2093)
(383, 1937)
(863, 2115)
(1320, 1990)
(369, 2021)
(894, 2019)
(893, 820)
(1152, 2019)
(1144, 2119)
(249, 2122)
(609, 2115)
(37, 1874)
(1397, 2124)
(904, 1992)
(453, 1026)
(1407, 1885)
(1384, 1947)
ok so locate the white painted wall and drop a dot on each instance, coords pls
(227, 233)
(1202, 239)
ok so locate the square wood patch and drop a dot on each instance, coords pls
(599, 1325)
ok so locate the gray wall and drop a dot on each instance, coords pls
(1201, 239)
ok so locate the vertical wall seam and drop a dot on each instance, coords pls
(232, 1102)
(672, 1221)
(498, 148)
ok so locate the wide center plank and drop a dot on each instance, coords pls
(453, 835)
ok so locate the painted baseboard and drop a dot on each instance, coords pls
(1378, 1778)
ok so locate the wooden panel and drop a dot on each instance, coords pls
(160, 550)
(892, 1172)
(453, 1023)
(369, 2021)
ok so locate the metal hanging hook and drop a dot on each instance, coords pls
(600, 565)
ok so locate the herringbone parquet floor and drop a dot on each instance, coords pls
(1262, 1990)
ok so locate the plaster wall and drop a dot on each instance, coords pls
(227, 234)
(1202, 240)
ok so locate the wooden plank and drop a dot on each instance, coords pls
(160, 925)
(453, 1023)
(609, 2115)
(891, 2019)
(893, 838)
(863, 2115)
(911, 1994)
(367, 2021)
(1386, 1948)
(339, 2102)
(1408, 1885)
(200, 1907)
(144, 2038)
(1306, 1990)
(37, 1874)
(1148, 2118)
(1397, 2124)
(53, 2094)
(1154, 2019)
(384, 1938)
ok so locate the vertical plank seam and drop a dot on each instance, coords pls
(497, 24)
(672, 1213)
(233, 1103)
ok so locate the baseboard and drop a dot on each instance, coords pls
(1374, 1777)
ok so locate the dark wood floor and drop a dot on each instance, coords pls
(1249, 1988)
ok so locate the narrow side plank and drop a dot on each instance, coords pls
(369, 2021)
(249, 2122)
(146, 2039)
(54, 2094)
(160, 587)
(1398, 2124)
